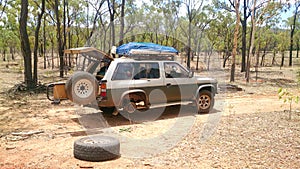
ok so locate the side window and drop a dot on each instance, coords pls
(124, 71)
(147, 71)
(175, 70)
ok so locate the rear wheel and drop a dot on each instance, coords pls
(205, 101)
(82, 88)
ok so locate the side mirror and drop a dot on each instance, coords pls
(191, 74)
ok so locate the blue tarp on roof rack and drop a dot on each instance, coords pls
(144, 48)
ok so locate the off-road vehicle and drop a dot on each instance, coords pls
(132, 84)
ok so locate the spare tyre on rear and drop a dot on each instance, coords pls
(96, 148)
(82, 88)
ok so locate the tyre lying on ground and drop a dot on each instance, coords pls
(97, 148)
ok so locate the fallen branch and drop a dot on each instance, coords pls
(30, 133)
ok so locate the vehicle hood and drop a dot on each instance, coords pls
(206, 80)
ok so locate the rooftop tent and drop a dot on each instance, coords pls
(133, 48)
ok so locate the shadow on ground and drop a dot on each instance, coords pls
(95, 122)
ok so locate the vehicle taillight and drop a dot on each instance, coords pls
(103, 89)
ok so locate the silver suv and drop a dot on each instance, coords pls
(130, 85)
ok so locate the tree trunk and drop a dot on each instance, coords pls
(122, 23)
(12, 52)
(225, 60)
(298, 48)
(25, 45)
(257, 60)
(273, 59)
(4, 55)
(69, 27)
(59, 40)
(111, 9)
(244, 37)
(198, 55)
(87, 23)
(293, 27)
(44, 43)
(36, 42)
(282, 59)
(252, 39)
(65, 25)
(52, 54)
(291, 47)
(235, 40)
(188, 63)
(262, 63)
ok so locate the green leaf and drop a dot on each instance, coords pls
(279, 90)
(297, 99)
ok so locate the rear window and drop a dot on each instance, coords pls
(124, 71)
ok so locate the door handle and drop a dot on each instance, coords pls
(169, 84)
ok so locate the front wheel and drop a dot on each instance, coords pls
(205, 101)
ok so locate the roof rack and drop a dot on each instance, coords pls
(150, 57)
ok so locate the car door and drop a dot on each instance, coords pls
(178, 85)
(121, 80)
(148, 78)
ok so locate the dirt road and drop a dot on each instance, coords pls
(247, 129)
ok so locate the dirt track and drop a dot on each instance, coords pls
(249, 130)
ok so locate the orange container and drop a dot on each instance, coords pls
(59, 92)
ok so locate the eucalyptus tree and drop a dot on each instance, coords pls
(152, 24)
(200, 24)
(236, 4)
(98, 8)
(293, 27)
(36, 39)
(282, 45)
(25, 45)
(170, 12)
(297, 41)
(267, 43)
(122, 22)
(60, 46)
(193, 7)
(133, 17)
(261, 11)
(245, 12)
(220, 33)
(235, 7)
(9, 27)
(112, 6)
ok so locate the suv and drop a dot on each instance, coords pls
(130, 85)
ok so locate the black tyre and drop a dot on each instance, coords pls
(96, 148)
(82, 88)
(205, 101)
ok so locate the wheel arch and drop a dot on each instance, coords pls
(133, 92)
(208, 87)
